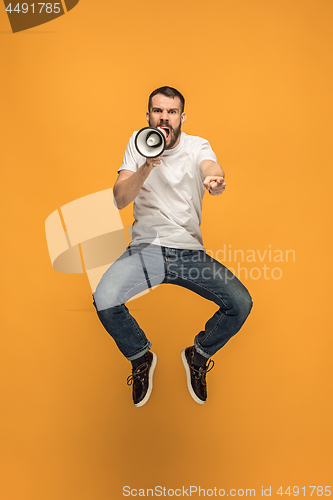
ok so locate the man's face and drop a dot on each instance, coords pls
(165, 112)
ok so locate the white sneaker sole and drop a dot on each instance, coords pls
(188, 378)
(150, 382)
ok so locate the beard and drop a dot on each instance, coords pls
(174, 136)
(174, 133)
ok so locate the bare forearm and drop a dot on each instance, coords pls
(216, 170)
(213, 177)
(126, 190)
(210, 167)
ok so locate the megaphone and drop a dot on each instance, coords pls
(150, 142)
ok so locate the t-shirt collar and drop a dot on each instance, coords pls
(179, 146)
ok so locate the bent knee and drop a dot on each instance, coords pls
(241, 305)
(245, 305)
(105, 297)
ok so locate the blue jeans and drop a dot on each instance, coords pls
(145, 266)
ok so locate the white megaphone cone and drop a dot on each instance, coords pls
(150, 142)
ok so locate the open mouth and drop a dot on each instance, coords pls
(166, 130)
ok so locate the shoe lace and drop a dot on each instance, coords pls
(204, 369)
(136, 373)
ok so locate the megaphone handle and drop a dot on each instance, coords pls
(154, 162)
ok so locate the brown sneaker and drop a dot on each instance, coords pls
(196, 376)
(142, 380)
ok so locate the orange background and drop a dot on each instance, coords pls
(257, 77)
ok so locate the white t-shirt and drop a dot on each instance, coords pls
(167, 210)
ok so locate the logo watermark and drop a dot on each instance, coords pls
(162, 491)
(256, 261)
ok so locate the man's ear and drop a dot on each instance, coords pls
(147, 116)
(183, 117)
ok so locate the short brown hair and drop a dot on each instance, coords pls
(168, 92)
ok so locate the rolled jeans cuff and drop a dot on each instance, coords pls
(140, 353)
(200, 351)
